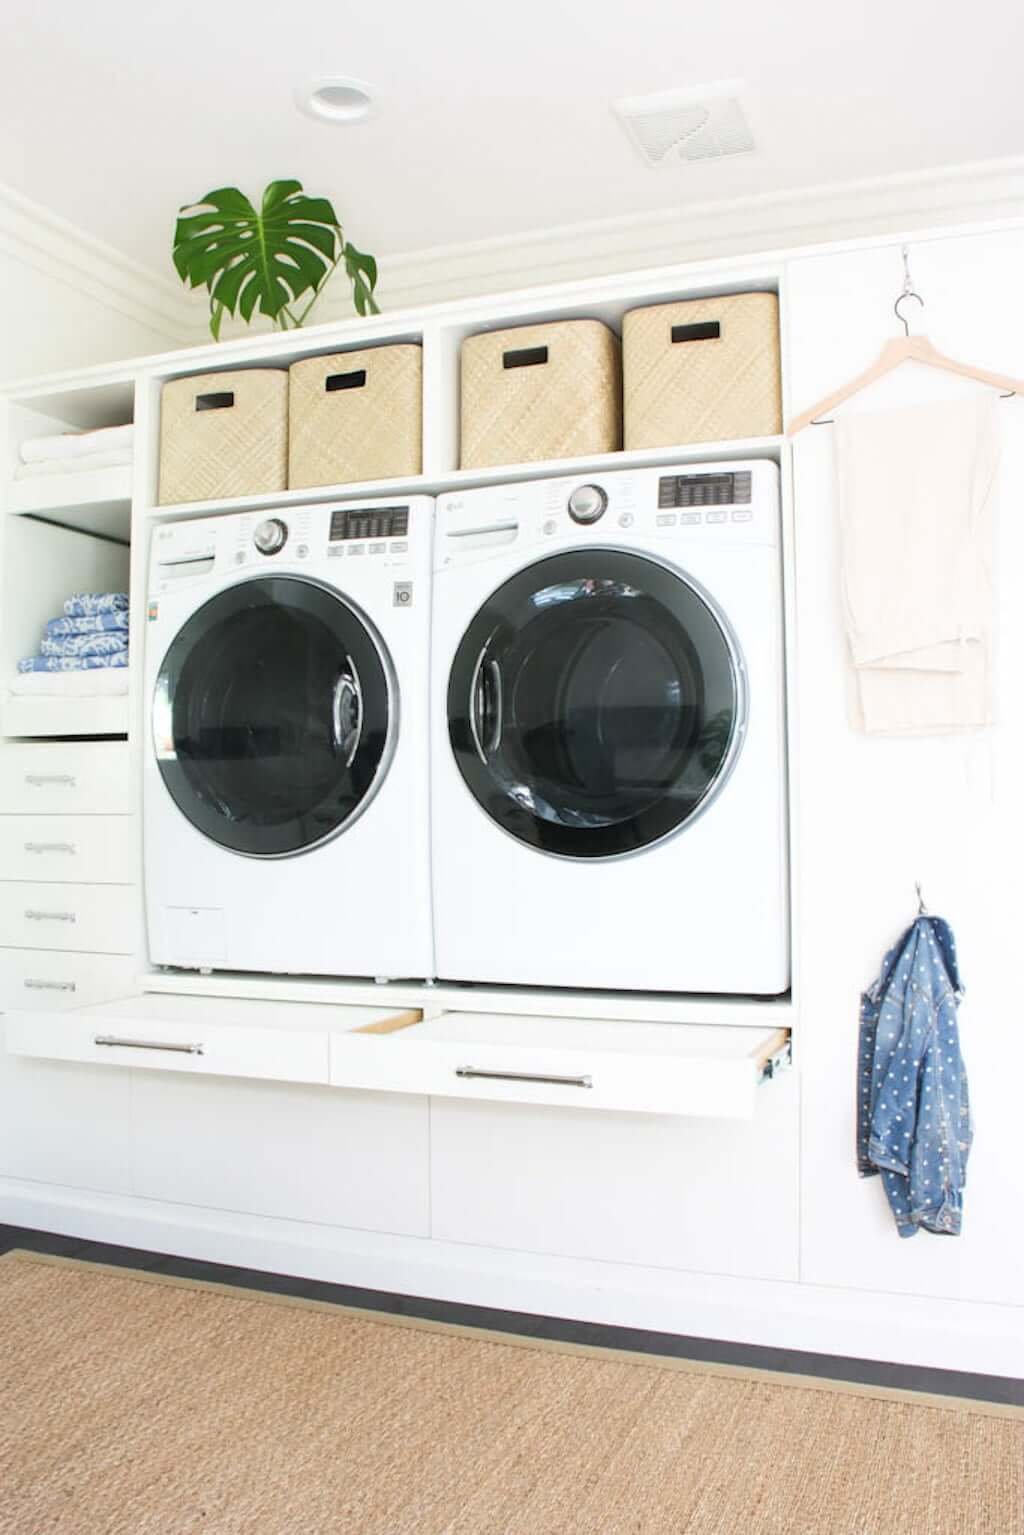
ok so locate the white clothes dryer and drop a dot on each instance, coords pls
(608, 733)
(286, 770)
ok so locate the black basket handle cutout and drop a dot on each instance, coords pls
(704, 330)
(221, 401)
(526, 357)
(353, 380)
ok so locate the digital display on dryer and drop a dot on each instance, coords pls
(692, 490)
(369, 522)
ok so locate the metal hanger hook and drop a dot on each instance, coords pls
(902, 300)
(922, 909)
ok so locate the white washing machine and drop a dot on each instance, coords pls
(608, 733)
(286, 772)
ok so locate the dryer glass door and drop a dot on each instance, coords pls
(272, 716)
(595, 703)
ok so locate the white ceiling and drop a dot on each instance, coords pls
(493, 119)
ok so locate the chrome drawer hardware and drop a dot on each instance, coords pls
(145, 1044)
(32, 985)
(39, 780)
(51, 847)
(523, 1076)
(51, 916)
(782, 1058)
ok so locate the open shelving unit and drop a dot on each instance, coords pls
(62, 532)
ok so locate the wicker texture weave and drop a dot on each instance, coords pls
(567, 405)
(240, 450)
(373, 431)
(702, 390)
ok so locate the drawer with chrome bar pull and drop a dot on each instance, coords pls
(100, 919)
(73, 848)
(47, 980)
(65, 778)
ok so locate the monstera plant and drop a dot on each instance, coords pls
(276, 260)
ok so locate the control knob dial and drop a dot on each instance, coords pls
(271, 535)
(587, 503)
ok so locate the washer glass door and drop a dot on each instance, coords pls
(273, 716)
(595, 703)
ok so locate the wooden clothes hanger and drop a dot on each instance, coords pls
(894, 353)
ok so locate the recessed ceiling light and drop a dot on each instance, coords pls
(335, 99)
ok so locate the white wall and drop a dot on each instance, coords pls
(878, 814)
(69, 301)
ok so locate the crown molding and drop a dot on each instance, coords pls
(861, 212)
(982, 193)
(61, 251)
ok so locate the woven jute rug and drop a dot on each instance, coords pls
(141, 1405)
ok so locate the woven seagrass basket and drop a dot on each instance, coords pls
(356, 416)
(702, 371)
(540, 391)
(224, 434)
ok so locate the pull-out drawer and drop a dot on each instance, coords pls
(95, 919)
(44, 980)
(76, 848)
(215, 1036)
(65, 778)
(655, 1068)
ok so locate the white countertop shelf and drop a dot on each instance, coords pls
(90, 500)
(432, 484)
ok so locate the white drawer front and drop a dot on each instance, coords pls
(41, 979)
(212, 1036)
(87, 848)
(648, 1068)
(172, 1046)
(100, 919)
(66, 778)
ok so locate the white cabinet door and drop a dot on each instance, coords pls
(66, 1125)
(713, 1196)
(298, 1153)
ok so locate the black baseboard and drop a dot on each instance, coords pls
(984, 1388)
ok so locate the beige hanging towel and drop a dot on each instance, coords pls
(916, 502)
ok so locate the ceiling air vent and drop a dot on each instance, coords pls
(704, 123)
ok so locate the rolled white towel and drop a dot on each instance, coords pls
(38, 450)
(48, 466)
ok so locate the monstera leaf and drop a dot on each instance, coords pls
(267, 260)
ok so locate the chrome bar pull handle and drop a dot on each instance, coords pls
(524, 1076)
(33, 985)
(51, 916)
(145, 1044)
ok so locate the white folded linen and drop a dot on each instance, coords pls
(916, 499)
(36, 450)
(101, 683)
(113, 459)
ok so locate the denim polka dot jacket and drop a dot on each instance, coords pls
(913, 1114)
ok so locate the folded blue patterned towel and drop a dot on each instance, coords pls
(85, 604)
(72, 663)
(85, 644)
(96, 623)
